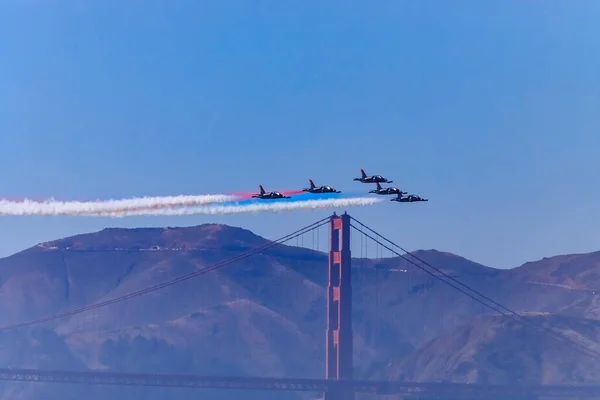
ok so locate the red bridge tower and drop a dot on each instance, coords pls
(338, 346)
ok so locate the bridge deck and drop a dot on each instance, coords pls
(296, 384)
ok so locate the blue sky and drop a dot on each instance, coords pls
(489, 109)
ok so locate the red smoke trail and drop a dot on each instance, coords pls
(243, 195)
(291, 192)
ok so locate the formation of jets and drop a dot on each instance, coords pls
(402, 197)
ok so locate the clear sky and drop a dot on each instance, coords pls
(488, 108)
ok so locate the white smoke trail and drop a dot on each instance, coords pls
(250, 208)
(140, 204)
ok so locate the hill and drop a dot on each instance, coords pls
(573, 271)
(500, 350)
(261, 316)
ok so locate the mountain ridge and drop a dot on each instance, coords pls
(265, 315)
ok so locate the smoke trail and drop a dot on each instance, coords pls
(254, 207)
(243, 199)
(55, 207)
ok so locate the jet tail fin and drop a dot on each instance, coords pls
(262, 191)
(377, 185)
(362, 173)
(312, 185)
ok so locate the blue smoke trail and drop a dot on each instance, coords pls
(296, 198)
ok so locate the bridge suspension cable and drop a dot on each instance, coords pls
(495, 306)
(171, 282)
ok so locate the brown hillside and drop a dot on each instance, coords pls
(574, 271)
(500, 350)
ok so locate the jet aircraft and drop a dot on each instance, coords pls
(371, 179)
(268, 196)
(408, 199)
(388, 190)
(319, 189)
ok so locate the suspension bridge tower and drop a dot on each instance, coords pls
(338, 345)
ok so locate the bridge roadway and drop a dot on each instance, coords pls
(448, 390)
